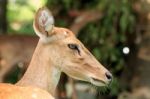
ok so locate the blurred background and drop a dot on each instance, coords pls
(117, 32)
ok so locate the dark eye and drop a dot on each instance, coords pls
(74, 47)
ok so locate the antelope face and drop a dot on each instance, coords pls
(67, 53)
(80, 64)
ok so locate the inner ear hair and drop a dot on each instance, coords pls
(44, 22)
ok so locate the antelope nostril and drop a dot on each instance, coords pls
(109, 76)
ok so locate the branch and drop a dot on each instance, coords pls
(83, 18)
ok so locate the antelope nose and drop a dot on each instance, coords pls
(109, 76)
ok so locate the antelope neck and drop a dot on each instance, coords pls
(41, 72)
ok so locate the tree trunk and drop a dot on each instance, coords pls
(142, 65)
(139, 63)
(3, 16)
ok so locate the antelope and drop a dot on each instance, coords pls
(11, 45)
(58, 50)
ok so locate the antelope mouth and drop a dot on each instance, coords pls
(98, 82)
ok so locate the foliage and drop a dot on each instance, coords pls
(109, 33)
(20, 15)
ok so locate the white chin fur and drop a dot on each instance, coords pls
(96, 83)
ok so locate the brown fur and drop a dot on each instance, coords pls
(8, 91)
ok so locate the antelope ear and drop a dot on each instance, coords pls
(43, 23)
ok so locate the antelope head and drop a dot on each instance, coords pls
(66, 53)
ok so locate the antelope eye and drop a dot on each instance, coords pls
(73, 46)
